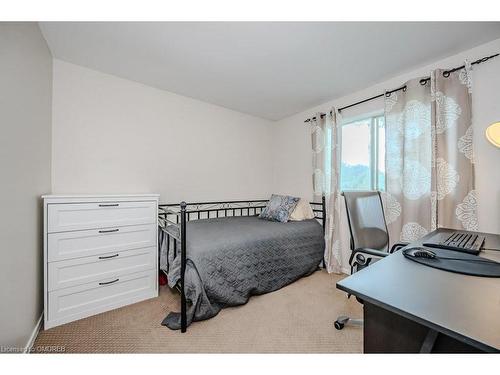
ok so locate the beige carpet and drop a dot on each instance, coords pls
(295, 319)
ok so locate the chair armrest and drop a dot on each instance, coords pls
(365, 250)
(398, 246)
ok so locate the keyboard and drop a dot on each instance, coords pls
(459, 241)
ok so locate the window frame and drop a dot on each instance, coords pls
(374, 148)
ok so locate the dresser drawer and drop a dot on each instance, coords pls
(67, 273)
(80, 301)
(69, 245)
(80, 216)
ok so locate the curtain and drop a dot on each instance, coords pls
(407, 200)
(326, 168)
(456, 203)
(429, 157)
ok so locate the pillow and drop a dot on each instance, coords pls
(279, 208)
(302, 211)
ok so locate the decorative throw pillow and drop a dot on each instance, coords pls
(279, 208)
(302, 211)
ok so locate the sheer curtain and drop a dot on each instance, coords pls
(429, 156)
(326, 168)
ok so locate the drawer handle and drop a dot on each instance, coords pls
(109, 204)
(109, 230)
(109, 256)
(109, 282)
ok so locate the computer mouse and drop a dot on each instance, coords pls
(424, 253)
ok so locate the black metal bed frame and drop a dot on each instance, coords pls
(184, 212)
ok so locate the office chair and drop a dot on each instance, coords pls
(369, 236)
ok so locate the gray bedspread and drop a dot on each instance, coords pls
(232, 258)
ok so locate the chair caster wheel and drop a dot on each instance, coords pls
(338, 325)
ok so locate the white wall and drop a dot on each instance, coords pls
(112, 135)
(292, 158)
(25, 148)
(115, 135)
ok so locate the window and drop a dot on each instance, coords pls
(363, 154)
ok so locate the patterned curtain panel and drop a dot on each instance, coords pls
(453, 161)
(407, 200)
(429, 157)
(326, 167)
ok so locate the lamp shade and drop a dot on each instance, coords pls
(493, 133)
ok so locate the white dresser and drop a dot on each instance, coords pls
(100, 253)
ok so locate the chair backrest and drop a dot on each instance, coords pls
(365, 215)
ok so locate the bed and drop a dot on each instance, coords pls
(219, 254)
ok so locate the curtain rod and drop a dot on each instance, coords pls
(423, 81)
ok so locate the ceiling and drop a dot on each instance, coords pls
(267, 69)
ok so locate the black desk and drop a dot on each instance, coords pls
(409, 307)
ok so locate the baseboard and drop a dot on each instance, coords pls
(34, 334)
